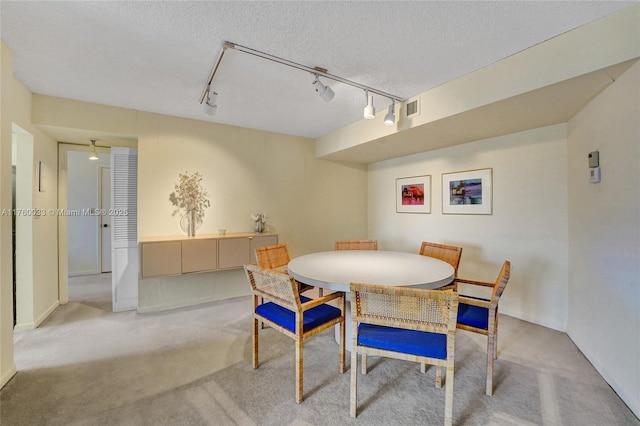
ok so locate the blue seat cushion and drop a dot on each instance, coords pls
(286, 318)
(473, 316)
(420, 343)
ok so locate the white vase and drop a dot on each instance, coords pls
(192, 223)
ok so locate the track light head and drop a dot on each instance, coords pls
(369, 110)
(210, 105)
(390, 118)
(323, 91)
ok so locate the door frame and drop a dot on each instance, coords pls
(101, 168)
(25, 165)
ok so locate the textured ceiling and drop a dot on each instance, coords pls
(157, 56)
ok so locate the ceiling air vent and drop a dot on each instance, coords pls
(413, 108)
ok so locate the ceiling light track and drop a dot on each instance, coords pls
(317, 72)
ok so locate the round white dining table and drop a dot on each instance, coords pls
(335, 270)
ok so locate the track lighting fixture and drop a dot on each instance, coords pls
(210, 106)
(93, 155)
(323, 91)
(390, 118)
(369, 110)
(208, 97)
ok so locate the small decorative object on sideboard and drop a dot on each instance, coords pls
(260, 220)
(191, 196)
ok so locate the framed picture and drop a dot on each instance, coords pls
(469, 192)
(413, 194)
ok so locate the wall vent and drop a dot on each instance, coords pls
(412, 108)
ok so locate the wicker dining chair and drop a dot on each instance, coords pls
(451, 255)
(405, 323)
(277, 257)
(481, 316)
(292, 314)
(446, 253)
(356, 245)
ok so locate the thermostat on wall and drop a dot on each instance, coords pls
(594, 175)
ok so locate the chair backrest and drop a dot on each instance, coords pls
(405, 307)
(356, 245)
(501, 283)
(274, 256)
(274, 286)
(446, 253)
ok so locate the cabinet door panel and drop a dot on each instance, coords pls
(161, 258)
(233, 252)
(199, 255)
(261, 241)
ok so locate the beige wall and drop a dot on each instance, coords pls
(44, 243)
(604, 236)
(574, 246)
(40, 288)
(528, 225)
(7, 366)
(310, 202)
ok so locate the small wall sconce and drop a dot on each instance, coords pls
(594, 167)
(93, 155)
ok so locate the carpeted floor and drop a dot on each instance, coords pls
(192, 366)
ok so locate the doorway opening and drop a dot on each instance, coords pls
(87, 182)
(85, 193)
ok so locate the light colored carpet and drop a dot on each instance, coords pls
(192, 366)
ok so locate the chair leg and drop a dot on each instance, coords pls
(342, 346)
(490, 357)
(495, 338)
(423, 368)
(448, 399)
(255, 343)
(299, 370)
(439, 377)
(320, 291)
(492, 347)
(364, 363)
(353, 396)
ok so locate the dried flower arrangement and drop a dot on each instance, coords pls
(191, 196)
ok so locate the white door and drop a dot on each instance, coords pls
(124, 243)
(105, 219)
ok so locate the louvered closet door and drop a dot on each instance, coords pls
(124, 235)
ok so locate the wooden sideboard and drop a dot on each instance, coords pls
(164, 256)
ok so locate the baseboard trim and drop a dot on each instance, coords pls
(8, 376)
(19, 328)
(46, 313)
(554, 325)
(83, 273)
(126, 305)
